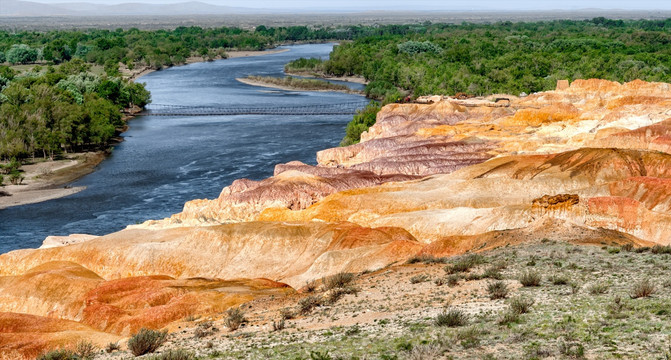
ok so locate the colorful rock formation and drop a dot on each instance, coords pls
(587, 163)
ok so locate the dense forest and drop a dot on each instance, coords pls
(45, 112)
(499, 58)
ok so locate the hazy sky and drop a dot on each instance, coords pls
(418, 4)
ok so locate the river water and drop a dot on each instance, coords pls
(165, 161)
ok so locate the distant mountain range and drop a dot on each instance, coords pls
(17, 8)
(21, 8)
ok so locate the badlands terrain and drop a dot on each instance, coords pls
(497, 227)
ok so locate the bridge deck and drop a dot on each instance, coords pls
(322, 109)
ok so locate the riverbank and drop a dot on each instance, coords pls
(298, 87)
(45, 180)
(353, 79)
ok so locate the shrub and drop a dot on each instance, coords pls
(452, 318)
(575, 287)
(572, 349)
(112, 347)
(337, 293)
(508, 317)
(521, 305)
(492, 272)
(234, 318)
(598, 289)
(530, 278)
(306, 305)
(178, 354)
(317, 355)
(339, 280)
(279, 325)
(86, 350)
(465, 264)
(363, 120)
(204, 329)
(16, 178)
(558, 280)
(423, 352)
(497, 290)
(310, 287)
(453, 280)
(419, 279)
(627, 247)
(439, 281)
(469, 338)
(642, 289)
(659, 249)
(59, 355)
(146, 341)
(287, 313)
(426, 259)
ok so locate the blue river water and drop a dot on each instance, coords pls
(165, 161)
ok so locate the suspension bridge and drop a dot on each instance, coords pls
(346, 108)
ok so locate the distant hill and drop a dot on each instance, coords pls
(16, 8)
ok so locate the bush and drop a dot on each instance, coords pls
(659, 249)
(452, 318)
(86, 350)
(112, 347)
(453, 280)
(310, 286)
(419, 279)
(234, 318)
(146, 341)
(306, 305)
(59, 355)
(363, 120)
(521, 305)
(642, 289)
(178, 354)
(426, 259)
(279, 325)
(508, 317)
(337, 293)
(530, 278)
(492, 273)
(497, 290)
(464, 264)
(339, 280)
(415, 47)
(287, 314)
(558, 280)
(598, 289)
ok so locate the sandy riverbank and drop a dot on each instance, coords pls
(353, 79)
(288, 88)
(44, 180)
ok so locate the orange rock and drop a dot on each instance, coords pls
(124, 306)
(25, 336)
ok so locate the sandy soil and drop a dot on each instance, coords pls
(45, 180)
(273, 86)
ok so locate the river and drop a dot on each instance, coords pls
(164, 162)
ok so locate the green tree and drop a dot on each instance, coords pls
(21, 54)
